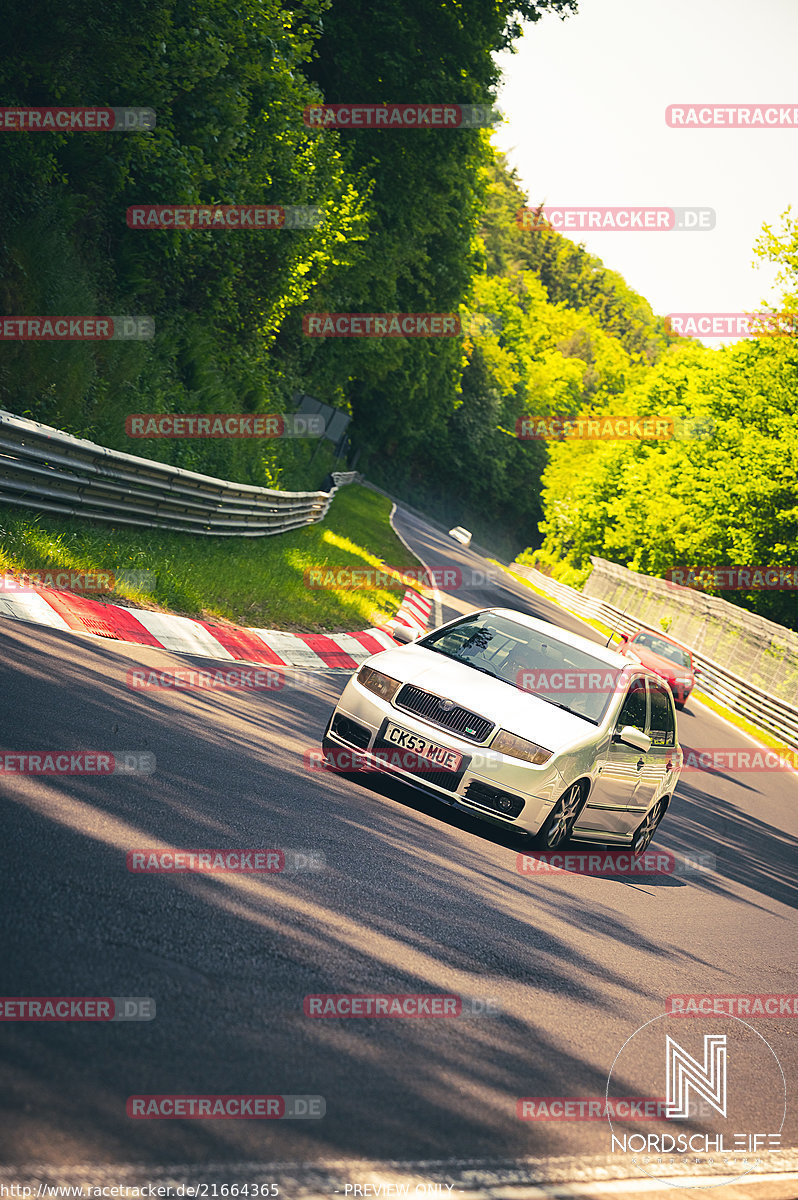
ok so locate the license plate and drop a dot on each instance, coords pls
(417, 746)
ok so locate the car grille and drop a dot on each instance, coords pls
(463, 722)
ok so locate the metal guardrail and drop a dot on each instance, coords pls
(732, 691)
(45, 469)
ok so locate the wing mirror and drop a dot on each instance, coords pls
(404, 634)
(635, 738)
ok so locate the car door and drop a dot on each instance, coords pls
(619, 769)
(661, 758)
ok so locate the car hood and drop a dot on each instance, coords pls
(655, 662)
(521, 713)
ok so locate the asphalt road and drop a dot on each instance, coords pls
(412, 898)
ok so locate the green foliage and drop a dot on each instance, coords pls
(570, 276)
(413, 221)
(228, 90)
(729, 500)
(780, 246)
(539, 354)
(229, 84)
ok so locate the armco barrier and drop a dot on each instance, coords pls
(45, 469)
(738, 695)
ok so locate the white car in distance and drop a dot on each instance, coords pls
(518, 722)
(461, 535)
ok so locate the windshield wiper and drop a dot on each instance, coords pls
(565, 708)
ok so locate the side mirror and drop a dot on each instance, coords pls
(697, 671)
(623, 641)
(635, 738)
(404, 634)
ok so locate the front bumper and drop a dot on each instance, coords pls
(503, 790)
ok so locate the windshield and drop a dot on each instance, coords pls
(650, 641)
(532, 662)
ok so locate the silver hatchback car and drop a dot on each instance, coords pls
(519, 722)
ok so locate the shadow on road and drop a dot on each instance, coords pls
(404, 904)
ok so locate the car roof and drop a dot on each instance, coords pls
(602, 653)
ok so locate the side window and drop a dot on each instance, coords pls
(663, 725)
(633, 709)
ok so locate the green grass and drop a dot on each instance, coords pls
(252, 581)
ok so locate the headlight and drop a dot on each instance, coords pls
(518, 747)
(381, 685)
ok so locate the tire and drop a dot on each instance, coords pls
(557, 827)
(643, 836)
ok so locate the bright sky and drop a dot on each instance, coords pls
(584, 103)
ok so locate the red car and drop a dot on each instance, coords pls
(665, 657)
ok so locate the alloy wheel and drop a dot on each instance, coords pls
(647, 828)
(563, 818)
